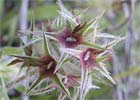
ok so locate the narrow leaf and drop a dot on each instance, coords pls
(61, 85)
(34, 85)
(3, 89)
(95, 46)
(29, 60)
(87, 26)
(42, 91)
(32, 23)
(66, 14)
(106, 35)
(114, 42)
(105, 73)
(15, 61)
(45, 43)
(84, 80)
(11, 51)
(22, 66)
(26, 57)
(60, 61)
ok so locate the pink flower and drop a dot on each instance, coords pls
(88, 57)
(47, 66)
(70, 38)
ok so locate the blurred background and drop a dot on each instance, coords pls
(121, 18)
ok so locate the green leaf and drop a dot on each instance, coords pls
(60, 61)
(32, 42)
(12, 29)
(87, 26)
(114, 42)
(32, 26)
(61, 85)
(26, 57)
(42, 91)
(105, 73)
(34, 84)
(101, 58)
(11, 51)
(15, 61)
(106, 35)
(3, 89)
(95, 46)
(84, 79)
(29, 60)
(22, 66)
(45, 43)
(66, 14)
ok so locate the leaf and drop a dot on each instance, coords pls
(114, 42)
(15, 61)
(45, 43)
(78, 28)
(26, 57)
(105, 73)
(3, 89)
(89, 25)
(61, 85)
(106, 35)
(16, 81)
(34, 84)
(11, 51)
(60, 61)
(75, 94)
(32, 26)
(89, 85)
(84, 80)
(32, 42)
(102, 58)
(29, 60)
(22, 66)
(42, 91)
(66, 14)
(12, 29)
(94, 46)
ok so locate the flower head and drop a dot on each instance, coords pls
(47, 66)
(70, 38)
(88, 57)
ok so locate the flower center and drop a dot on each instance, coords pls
(87, 55)
(50, 65)
(70, 39)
